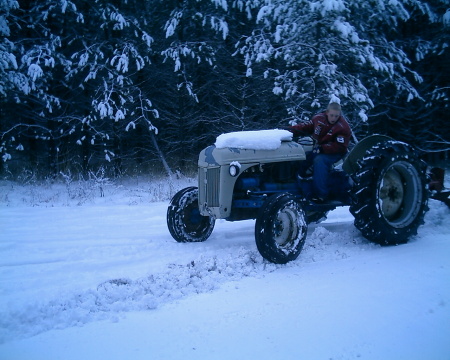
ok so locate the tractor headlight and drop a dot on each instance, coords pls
(233, 170)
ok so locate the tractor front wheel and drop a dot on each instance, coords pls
(280, 229)
(184, 220)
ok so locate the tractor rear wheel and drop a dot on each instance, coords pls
(390, 195)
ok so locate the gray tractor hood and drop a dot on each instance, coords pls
(287, 151)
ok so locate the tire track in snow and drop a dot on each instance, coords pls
(117, 296)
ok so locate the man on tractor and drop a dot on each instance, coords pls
(331, 133)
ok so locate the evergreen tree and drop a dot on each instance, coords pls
(336, 49)
(125, 84)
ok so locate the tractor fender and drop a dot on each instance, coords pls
(359, 150)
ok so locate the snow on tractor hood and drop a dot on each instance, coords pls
(253, 140)
(246, 147)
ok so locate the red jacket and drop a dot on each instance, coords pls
(332, 138)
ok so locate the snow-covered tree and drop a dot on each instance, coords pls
(350, 50)
(425, 38)
(8, 61)
(105, 67)
(214, 96)
(34, 42)
(78, 67)
(126, 83)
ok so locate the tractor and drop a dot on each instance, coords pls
(384, 183)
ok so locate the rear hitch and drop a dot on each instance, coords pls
(436, 185)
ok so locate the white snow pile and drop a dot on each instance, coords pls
(254, 140)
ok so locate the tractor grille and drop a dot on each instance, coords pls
(209, 186)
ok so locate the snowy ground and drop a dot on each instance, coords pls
(89, 277)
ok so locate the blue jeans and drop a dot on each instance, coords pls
(321, 164)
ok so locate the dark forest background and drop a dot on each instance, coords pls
(137, 87)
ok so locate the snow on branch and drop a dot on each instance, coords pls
(446, 18)
(35, 72)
